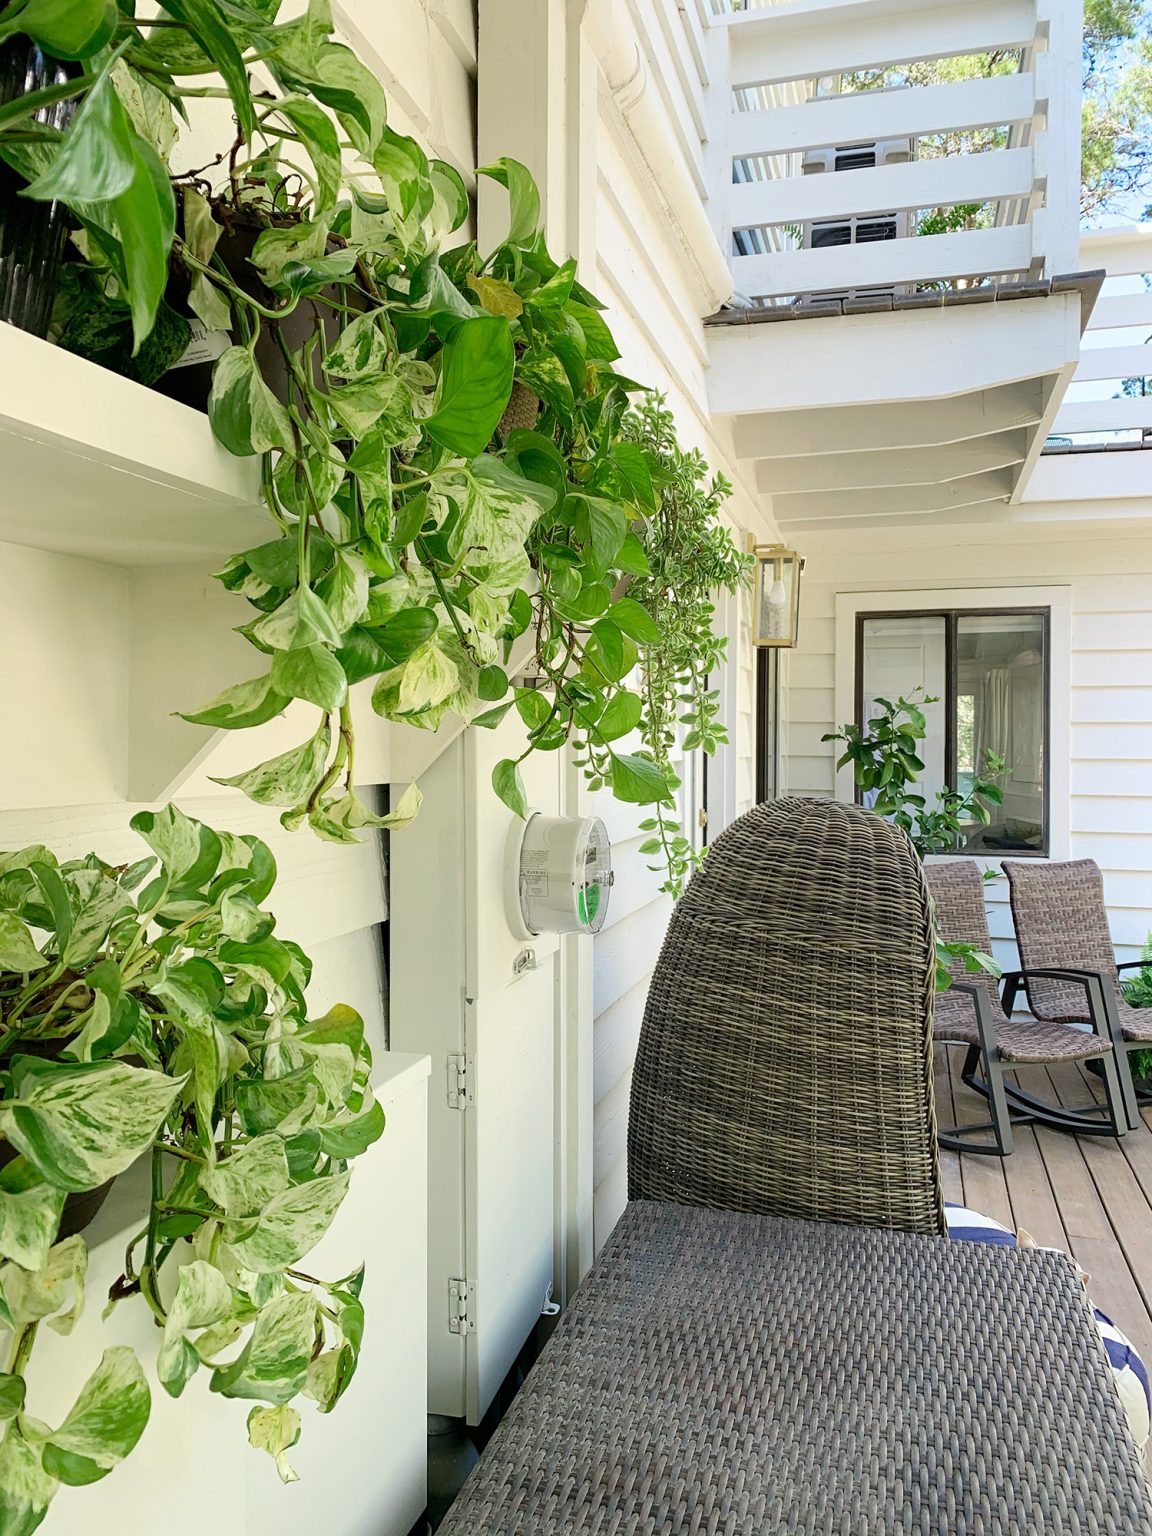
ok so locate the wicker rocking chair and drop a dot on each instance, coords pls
(785, 1059)
(1061, 927)
(970, 1013)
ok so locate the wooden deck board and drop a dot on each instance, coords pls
(1091, 1195)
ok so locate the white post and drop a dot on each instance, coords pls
(717, 150)
(537, 102)
(1056, 226)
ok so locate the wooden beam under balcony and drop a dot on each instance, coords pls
(876, 469)
(871, 115)
(981, 178)
(786, 436)
(880, 503)
(887, 263)
(819, 37)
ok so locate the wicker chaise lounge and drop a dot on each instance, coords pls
(970, 1013)
(776, 1337)
(785, 1059)
(1061, 926)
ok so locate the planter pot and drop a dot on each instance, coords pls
(79, 1209)
(32, 234)
(1142, 1085)
(190, 381)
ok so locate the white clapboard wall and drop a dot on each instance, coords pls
(1109, 579)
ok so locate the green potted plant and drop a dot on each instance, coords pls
(444, 458)
(886, 765)
(1137, 989)
(152, 1011)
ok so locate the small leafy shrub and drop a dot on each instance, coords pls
(1137, 988)
(885, 762)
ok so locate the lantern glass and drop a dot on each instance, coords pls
(777, 596)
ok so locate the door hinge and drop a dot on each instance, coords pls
(459, 1088)
(461, 1294)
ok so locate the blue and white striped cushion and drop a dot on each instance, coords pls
(1128, 1370)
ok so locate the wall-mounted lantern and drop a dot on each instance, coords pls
(777, 595)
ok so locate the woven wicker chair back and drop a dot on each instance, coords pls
(785, 1055)
(957, 891)
(1061, 921)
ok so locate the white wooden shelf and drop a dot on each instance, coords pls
(97, 466)
(132, 489)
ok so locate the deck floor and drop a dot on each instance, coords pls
(1090, 1195)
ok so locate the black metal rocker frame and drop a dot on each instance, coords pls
(1011, 1105)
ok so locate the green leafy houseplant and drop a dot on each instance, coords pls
(151, 1011)
(1138, 991)
(691, 557)
(444, 460)
(886, 764)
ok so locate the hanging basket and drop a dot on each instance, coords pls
(32, 234)
(521, 411)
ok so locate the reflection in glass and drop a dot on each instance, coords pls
(1000, 669)
(904, 652)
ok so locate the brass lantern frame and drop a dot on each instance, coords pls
(776, 624)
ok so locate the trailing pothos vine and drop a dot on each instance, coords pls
(691, 559)
(151, 1011)
(454, 495)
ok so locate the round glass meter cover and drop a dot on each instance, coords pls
(594, 882)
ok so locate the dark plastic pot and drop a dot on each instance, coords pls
(1142, 1085)
(32, 234)
(191, 383)
(80, 1208)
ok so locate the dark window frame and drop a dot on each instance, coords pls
(952, 617)
(768, 692)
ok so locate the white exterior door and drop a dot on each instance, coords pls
(483, 1003)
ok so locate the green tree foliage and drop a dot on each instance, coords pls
(1116, 159)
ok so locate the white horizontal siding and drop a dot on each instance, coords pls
(424, 53)
(328, 898)
(1110, 695)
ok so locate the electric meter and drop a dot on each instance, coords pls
(563, 874)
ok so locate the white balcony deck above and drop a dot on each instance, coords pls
(922, 224)
(884, 414)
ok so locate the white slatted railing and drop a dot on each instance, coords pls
(1096, 403)
(778, 52)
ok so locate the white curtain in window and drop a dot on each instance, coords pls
(993, 723)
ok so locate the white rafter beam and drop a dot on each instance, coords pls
(911, 424)
(833, 471)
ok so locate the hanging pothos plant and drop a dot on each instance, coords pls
(444, 459)
(151, 1010)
